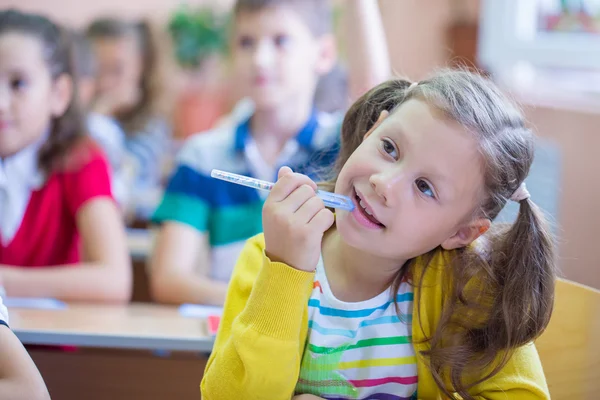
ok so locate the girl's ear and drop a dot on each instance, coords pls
(62, 95)
(467, 234)
(382, 116)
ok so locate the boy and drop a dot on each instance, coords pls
(19, 377)
(280, 49)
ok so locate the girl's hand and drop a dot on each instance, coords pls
(294, 220)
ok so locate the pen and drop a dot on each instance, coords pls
(332, 200)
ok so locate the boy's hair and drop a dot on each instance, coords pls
(67, 129)
(84, 60)
(135, 119)
(502, 297)
(316, 14)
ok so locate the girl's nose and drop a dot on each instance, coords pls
(385, 184)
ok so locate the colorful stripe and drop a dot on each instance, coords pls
(235, 223)
(184, 209)
(335, 312)
(408, 380)
(317, 284)
(381, 341)
(338, 387)
(344, 359)
(374, 396)
(368, 363)
(392, 319)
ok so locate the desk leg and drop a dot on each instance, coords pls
(101, 374)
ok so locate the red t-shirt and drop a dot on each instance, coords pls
(48, 232)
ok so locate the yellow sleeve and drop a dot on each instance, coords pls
(522, 378)
(258, 348)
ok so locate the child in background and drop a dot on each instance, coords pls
(409, 295)
(104, 129)
(280, 48)
(19, 377)
(61, 233)
(126, 89)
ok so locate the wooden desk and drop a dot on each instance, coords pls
(120, 351)
(139, 243)
(136, 326)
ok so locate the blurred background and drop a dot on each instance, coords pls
(545, 53)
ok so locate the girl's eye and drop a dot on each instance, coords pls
(18, 84)
(425, 188)
(389, 148)
(246, 42)
(281, 40)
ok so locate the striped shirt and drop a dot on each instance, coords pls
(228, 213)
(359, 350)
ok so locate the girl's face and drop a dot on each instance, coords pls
(29, 97)
(120, 70)
(416, 181)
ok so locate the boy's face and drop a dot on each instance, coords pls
(276, 59)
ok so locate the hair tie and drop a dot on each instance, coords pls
(520, 194)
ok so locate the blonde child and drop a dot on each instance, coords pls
(61, 233)
(410, 295)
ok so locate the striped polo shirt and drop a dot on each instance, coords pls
(230, 213)
(359, 350)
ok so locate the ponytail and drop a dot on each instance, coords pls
(500, 298)
(523, 262)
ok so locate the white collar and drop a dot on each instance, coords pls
(22, 168)
(19, 177)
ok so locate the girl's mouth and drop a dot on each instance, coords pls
(363, 213)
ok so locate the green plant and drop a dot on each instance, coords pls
(197, 34)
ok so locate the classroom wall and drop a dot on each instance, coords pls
(79, 13)
(576, 134)
(416, 29)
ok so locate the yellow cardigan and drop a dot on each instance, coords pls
(263, 331)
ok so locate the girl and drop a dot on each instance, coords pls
(19, 377)
(409, 295)
(61, 234)
(126, 90)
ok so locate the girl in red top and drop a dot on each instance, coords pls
(61, 234)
